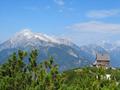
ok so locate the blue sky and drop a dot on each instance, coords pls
(82, 21)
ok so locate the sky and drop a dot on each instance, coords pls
(81, 21)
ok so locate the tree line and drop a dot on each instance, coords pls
(16, 74)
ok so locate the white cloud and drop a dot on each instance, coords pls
(59, 2)
(102, 13)
(95, 26)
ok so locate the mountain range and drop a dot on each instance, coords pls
(67, 54)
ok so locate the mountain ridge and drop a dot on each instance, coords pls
(65, 53)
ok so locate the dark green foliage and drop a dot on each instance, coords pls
(90, 78)
(17, 75)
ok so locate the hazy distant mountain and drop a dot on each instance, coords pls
(66, 54)
(112, 48)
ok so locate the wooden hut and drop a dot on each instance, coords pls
(102, 60)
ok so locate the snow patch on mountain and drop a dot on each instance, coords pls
(109, 45)
(72, 53)
(27, 38)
